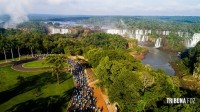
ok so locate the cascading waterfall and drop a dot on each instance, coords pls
(193, 41)
(158, 42)
(139, 34)
(142, 36)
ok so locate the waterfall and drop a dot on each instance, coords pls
(193, 41)
(158, 42)
(143, 39)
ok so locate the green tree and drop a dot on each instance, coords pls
(57, 62)
(4, 46)
(47, 42)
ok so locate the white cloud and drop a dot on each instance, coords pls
(103, 7)
(55, 1)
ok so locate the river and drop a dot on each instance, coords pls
(160, 60)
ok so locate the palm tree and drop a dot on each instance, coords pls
(4, 45)
(11, 44)
(47, 43)
(5, 54)
(18, 42)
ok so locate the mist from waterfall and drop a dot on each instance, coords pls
(158, 43)
(17, 11)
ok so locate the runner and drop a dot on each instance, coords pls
(83, 99)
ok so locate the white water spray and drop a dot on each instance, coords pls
(17, 10)
(193, 41)
(158, 43)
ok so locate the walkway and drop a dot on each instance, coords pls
(18, 65)
(98, 94)
(102, 99)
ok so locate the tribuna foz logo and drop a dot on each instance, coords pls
(180, 100)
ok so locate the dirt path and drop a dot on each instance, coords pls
(111, 107)
(98, 94)
(102, 99)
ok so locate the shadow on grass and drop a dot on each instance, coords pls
(30, 83)
(48, 104)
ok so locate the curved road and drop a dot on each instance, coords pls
(18, 65)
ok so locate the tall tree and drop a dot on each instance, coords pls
(19, 44)
(47, 42)
(11, 45)
(4, 46)
(57, 62)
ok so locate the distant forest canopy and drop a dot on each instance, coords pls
(171, 23)
(189, 24)
(184, 25)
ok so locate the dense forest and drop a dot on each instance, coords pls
(33, 42)
(190, 62)
(136, 87)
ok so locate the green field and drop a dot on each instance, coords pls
(38, 64)
(38, 91)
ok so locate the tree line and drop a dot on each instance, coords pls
(17, 43)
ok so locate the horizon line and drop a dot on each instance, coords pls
(109, 15)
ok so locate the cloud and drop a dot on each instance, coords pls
(101, 7)
(55, 1)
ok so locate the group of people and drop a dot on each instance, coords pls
(83, 99)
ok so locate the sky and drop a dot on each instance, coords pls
(102, 7)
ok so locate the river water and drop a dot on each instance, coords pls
(160, 60)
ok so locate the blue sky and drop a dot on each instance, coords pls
(102, 7)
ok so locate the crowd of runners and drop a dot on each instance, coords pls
(83, 99)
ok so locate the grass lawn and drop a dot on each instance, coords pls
(38, 64)
(36, 92)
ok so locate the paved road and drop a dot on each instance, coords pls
(18, 65)
(4, 64)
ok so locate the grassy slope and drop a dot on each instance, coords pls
(18, 94)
